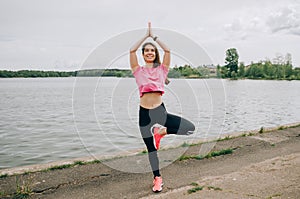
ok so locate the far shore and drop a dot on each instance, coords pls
(185, 72)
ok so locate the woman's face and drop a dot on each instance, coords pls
(149, 53)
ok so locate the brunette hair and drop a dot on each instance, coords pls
(156, 61)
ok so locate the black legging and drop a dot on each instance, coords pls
(174, 124)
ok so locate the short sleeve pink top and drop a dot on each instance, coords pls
(150, 79)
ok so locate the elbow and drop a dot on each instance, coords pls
(132, 50)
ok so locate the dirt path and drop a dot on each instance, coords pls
(261, 166)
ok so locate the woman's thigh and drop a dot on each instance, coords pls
(178, 125)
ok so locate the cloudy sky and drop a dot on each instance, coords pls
(60, 34)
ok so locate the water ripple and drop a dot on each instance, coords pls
(37, 124)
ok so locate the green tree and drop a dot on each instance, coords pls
(241, 71)
(174, 73)
(269, 70)
(255, 71)
(296, 73)
(231, 61)
(219, 73)
(288, 65)
(203, 71)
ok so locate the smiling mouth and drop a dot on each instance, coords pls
(149, 56)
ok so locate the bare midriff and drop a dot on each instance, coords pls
(151, 100)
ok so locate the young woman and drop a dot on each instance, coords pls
(154, 120)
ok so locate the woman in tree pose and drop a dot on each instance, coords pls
(154, 120)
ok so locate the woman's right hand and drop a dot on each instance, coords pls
(149, 31)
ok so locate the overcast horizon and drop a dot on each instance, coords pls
(60, 35)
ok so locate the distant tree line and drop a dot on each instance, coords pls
(185, 71)
(80, 73)
(104, 73)
(34, 73)
(280, 68)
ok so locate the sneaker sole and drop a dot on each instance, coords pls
(157, 191)
(151, 129)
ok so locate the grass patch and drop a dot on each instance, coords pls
(26, 172)
(58, 167)
(3, 175)
(199, 188)
(288, 127)
(195, 189)
(144, 152)
(94, 162)
(79, 163)
(185, 145)
(65, 166)
(23, 189)
(222, 139)
(194, 184)
(188, 145)
(273, 196)
(210, 155)
(188, 157)
(294, 126)
(218, 153)
(2, 193)
(214, 188)
(261, 130)
(251, 195)
(282, 128)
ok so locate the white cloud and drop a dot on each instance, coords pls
(286, 19)
(235, 30)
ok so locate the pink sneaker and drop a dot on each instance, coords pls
(156, 131)
(157, 184)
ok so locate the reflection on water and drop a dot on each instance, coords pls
(50, 119)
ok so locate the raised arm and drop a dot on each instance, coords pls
(167, 55)
(133, 58)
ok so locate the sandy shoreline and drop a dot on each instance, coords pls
(262, 165)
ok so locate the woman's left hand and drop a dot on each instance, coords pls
(150, 34)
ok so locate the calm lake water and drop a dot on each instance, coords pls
(50, 119)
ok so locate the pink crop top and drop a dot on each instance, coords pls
(150, 79)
